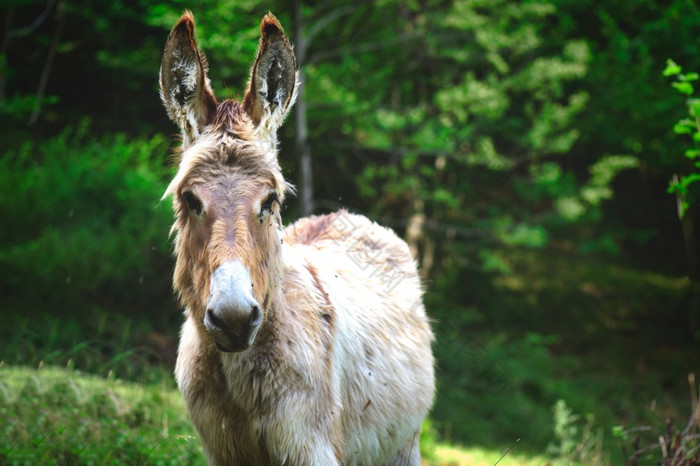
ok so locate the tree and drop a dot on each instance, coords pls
(459, 117)
(683, 185)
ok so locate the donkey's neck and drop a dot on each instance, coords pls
(288, 330)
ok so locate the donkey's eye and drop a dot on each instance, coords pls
(266, 206)
(193, 203)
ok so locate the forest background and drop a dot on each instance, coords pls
(538, 156)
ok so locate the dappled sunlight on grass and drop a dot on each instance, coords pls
(451, 455)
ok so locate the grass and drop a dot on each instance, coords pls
(453, 455)
(54, 415)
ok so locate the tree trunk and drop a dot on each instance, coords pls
(306, 204)
(4, 41)
(41, 90)
(414, 229)
(688, 229)
(8, 33)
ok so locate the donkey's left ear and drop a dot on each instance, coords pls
(273, 81)
(184, 85)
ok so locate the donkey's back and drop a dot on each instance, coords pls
(381, 355)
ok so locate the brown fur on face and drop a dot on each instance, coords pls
(229, 174)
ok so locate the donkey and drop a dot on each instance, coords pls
(301, 346)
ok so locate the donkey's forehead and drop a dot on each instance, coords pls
(229, 145)
(216, 155)
(229, 164)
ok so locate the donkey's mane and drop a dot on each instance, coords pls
(231, 120)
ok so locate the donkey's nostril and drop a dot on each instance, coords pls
(214, 321)
(255, 316)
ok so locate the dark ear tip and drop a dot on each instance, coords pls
(270, 25)
(187, 15)
(185, 22)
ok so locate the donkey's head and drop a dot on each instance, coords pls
(229, 186)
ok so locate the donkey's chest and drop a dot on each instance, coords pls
(233, 401)
(227, 432)
(229, 435)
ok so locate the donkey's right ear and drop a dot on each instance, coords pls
(184, 85)
(273, 79)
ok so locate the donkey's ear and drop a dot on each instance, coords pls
(184, 86)
(272, 88)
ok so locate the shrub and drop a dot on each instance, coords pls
(669, 445)
(82, 226)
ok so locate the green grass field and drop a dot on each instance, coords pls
(53, 415)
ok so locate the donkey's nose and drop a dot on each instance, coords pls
(233, 315)
(255, 316)
(229, 319)
(233, 324)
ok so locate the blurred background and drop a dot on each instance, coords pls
(538, 156)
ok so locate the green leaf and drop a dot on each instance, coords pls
(692, 153)
(674, 187)
(683, 87)
(534, 236)
(689, 77)
(619, 432)
(685, 126)
(605, 169)
(493, 261)
(684, 208)
(690, 179)
(443, 196)
(595, 194)
(672, 68)
(570, 208)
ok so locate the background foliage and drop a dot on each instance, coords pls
(523, 149)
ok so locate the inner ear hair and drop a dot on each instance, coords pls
(273, 75)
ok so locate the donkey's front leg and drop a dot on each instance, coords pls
(303, 434)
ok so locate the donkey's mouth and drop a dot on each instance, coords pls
(223, 349)
(226, 339)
